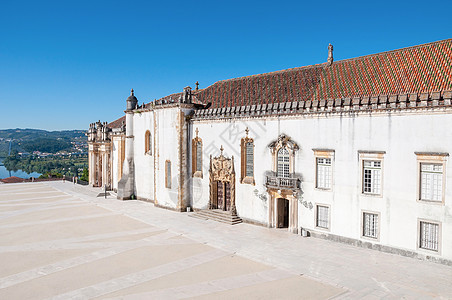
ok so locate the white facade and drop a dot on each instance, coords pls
(367, 170)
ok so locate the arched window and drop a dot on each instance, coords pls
(249, 159)
(283, 163)
(168, 174)
(198, 156)
(247, 151)
(147, 143)
(196, 149)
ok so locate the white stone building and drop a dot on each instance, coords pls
(355, 150)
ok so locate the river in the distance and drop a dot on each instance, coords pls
(4, 173)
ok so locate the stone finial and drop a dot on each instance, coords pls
(197, 131)
(330, 55)
(197, 85)
(131, 92)
(247, 131)
(221, 149)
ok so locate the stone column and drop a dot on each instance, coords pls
(127, 182)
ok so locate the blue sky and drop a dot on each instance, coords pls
(65, 64)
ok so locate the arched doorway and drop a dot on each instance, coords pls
(222, 183)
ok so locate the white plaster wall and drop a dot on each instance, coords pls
(167, 149)
(399, 135)
(251, 200)
(144, 163)
(115, 163)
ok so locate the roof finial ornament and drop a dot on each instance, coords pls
(330, 55)
(197, 131)
(197, 85)
(247, 130)
(131, 92)
(221, 149)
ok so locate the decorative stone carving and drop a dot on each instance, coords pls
(222, 169)
(283, 140)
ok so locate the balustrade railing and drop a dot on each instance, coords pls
(273, 181)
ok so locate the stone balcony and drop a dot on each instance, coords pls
(292, 182)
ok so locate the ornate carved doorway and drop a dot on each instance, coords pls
(222, 183)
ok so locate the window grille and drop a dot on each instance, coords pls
(324, 173)
(283, 163)
(370, 225)
(198, 156)
(168, 174)
(322, 216)
(429, 236)
(431, 182)
(372, 177)
(249, 159)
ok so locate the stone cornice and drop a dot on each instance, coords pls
(352, 104)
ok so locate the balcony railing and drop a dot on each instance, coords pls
(273, 181)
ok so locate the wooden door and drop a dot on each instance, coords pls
(283, 213)
(227, 187)
(220, 195)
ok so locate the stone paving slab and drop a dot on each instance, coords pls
(58, 241)
(361, 272)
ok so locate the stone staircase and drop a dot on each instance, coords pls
(216, 215)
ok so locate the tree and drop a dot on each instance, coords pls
(85, 175)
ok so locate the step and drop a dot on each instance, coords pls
(217, 215)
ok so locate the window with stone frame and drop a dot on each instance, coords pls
(429, 235)
(370, 225)
(147, 143)
(431, 178)
(322, 216)
(372, 177)
(431, 182)
(247, 157)
(323, 173)
(283, 161)
(168, 174)
(371, 164)
(197, 156)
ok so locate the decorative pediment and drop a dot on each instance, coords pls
(283, 141)
(222, 168)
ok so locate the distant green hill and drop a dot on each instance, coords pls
(29, 140)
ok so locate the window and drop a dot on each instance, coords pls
(249, 159)
(371, 172)
(197, 156)
(370, 225)
(431, 182)
(322, 216)
(283, 163)
(147, 143)
(429, 236)
(323, 173)
(371, 177)
(247, 155)
(168, 174)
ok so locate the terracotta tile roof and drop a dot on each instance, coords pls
(117, 123)
(423, 68)
(12, 179)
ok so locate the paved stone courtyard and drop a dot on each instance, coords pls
(58, 240)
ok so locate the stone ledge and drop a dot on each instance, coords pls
(378, 247)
